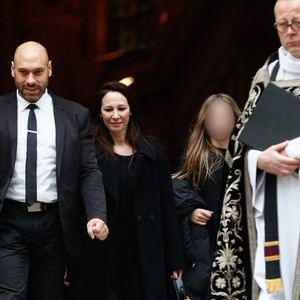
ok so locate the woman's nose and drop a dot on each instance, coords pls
(115, 114)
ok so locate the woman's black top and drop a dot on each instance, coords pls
(125, 273)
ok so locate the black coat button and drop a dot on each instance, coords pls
(139, 218)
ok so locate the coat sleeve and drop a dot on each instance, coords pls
(91, 182)
(186, 199)
(171, 230)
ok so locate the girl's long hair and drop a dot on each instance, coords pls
(201, 158)
(102, 138)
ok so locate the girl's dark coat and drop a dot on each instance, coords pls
(196, 241)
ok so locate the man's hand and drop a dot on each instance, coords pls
(275, 161)
(200, 216)
(97, 228)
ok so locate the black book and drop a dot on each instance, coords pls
(275, 119)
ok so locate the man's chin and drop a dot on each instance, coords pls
(31, 97)
(295, 52)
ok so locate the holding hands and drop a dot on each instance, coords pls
(97, 228)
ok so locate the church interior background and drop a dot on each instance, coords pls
(175, 52)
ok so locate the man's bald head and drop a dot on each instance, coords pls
(278, 3)
(31, 69)
(31, 50)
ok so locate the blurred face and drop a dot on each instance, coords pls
(115, 112)
(219, 120)
(288, 11)
(31, 70)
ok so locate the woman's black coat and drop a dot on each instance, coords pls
(196, 241)
(158, 235)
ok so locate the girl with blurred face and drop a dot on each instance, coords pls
(199, 188)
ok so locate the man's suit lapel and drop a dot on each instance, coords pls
(60, 133)
(12, 121)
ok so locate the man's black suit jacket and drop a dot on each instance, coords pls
(78, 176)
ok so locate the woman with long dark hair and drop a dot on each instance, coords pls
(143, 248)
(199, 188)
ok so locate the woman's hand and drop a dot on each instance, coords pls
(176, 274)
(66, 280)
(200, 216)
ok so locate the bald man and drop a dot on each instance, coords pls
(48, 175)
(263, 190)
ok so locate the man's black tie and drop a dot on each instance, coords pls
(31, 157)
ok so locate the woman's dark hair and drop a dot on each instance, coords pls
(102, 139)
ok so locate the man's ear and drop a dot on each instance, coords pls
(50, 68)
(12, 69)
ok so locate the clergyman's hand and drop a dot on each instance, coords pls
(97, 228)
(275, 161)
